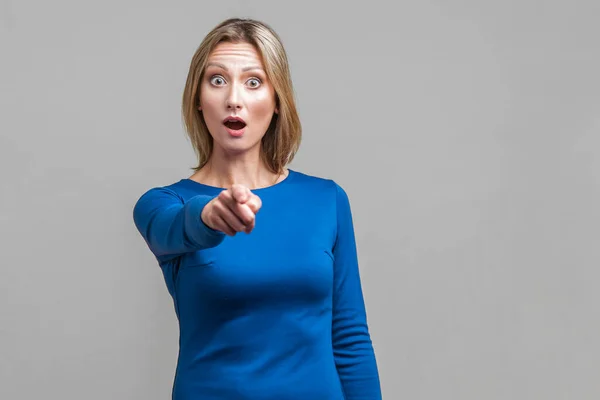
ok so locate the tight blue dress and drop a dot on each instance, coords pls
(276, 314)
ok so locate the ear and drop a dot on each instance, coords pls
(276, 110)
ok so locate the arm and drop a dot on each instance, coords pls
(170, 227)
(352, 346)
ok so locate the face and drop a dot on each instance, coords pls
(235, 85)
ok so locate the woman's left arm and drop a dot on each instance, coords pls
(352, 346)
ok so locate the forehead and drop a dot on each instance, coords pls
(235, 52)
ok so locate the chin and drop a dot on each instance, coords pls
(237, 146)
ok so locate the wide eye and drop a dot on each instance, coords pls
(254, 83)
(217, 80)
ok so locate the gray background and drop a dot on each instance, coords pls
(466, 133)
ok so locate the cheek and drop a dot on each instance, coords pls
(264, 104)
(207, 99)
(211, 105)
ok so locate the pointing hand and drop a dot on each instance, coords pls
(232, 211)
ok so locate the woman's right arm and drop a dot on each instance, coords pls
(171, 227)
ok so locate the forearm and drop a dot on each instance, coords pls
(355, 357)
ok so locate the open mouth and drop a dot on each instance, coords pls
(235, 125)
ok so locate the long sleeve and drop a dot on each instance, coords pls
(353, 349)
(171, 226)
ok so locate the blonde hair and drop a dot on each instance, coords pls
(282, 139)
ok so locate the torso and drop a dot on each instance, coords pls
(277, 178)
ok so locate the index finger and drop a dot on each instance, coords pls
(240, 193)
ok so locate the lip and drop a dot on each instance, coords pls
(232, 118)
(234, 132)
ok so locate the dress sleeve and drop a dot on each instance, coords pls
(171, 226)
(352, 346)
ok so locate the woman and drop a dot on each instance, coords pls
(260, 259)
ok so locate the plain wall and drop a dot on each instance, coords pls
(466, 133)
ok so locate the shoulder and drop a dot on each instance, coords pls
(169, 191)
(321, 185)
(153, 198)
(178, 191)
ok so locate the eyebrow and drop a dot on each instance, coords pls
(249, 68)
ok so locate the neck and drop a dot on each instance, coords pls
(223, 170)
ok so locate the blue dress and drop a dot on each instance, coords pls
(275, 314)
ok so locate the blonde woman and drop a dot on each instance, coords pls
(260, 259)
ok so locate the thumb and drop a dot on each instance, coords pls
(254, 203)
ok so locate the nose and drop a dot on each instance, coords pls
(234, 99)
